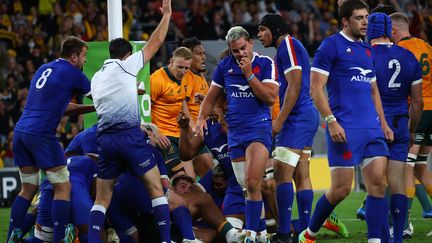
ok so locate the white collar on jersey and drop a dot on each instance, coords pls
(253, 57)
(347, 37)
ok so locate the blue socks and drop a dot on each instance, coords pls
(323, 209)
(28, 223)
(385, 238)
(183, 220)
(375, 216)
(304, 205)
(284, 199)
(398, 207)
(96, 223)
(253, 214)
(60, 217)
(262, 225)
(162, 216)
(18, 213)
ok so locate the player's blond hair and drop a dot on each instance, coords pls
(235, 33)
(183, 52)
(399, 19)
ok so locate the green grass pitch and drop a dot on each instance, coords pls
(345, 210)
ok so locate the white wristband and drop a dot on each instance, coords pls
(329, 119)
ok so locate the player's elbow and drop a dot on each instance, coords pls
(271, 97)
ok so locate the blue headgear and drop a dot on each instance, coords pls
(379, 25)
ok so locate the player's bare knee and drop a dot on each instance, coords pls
(283, 175)
(302, 179)
(376, 187)
(28, 191)
(253, 185)
(340, 193)
(62, 190)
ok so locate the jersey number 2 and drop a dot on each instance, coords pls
(394, 62)
(43, 78)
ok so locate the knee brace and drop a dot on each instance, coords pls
(309, 153)
(60, 176)
(32, 178)
(421, 159)
(411, 159)
(239, 171)
(286, 156)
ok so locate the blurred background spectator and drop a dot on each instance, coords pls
(31, 33)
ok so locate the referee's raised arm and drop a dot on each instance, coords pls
(158, 36)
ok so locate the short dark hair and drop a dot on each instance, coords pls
(71, 45)
(191, 42)
(347, 8)
(382, 8)
(119, 47)
(218, 171)
(182, 177)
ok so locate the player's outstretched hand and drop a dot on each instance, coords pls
(337, 133)
(166, 7)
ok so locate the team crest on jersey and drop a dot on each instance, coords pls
(171, 92)
(348, 50)
(368, 52)
(256, 70)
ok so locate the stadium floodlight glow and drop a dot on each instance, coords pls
(115, 19)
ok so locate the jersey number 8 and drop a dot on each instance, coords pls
(43, 78)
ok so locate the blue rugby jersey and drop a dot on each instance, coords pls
(397, 70)
(292, 55)
(244, 108)
(51, 90)
(348, 65)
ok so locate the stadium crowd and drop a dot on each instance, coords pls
(247, 136)
(31, 33)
